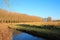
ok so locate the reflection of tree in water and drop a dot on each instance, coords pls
(6, 2)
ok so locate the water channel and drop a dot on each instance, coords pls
(26, 36)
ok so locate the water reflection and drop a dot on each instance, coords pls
(25, 36)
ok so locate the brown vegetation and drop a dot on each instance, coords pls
(16, 17)
(5, 32)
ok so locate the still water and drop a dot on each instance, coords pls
(25, 36)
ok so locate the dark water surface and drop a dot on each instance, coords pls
(25, 36)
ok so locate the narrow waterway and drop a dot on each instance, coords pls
(26, 36)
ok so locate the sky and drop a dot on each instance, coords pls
(41, 8)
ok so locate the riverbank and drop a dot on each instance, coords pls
(49, 32)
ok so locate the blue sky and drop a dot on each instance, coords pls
(41, 8)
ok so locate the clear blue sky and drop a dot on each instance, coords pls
(42, 8)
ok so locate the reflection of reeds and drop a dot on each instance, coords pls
(48, 31)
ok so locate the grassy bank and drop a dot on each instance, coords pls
(50, 32)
